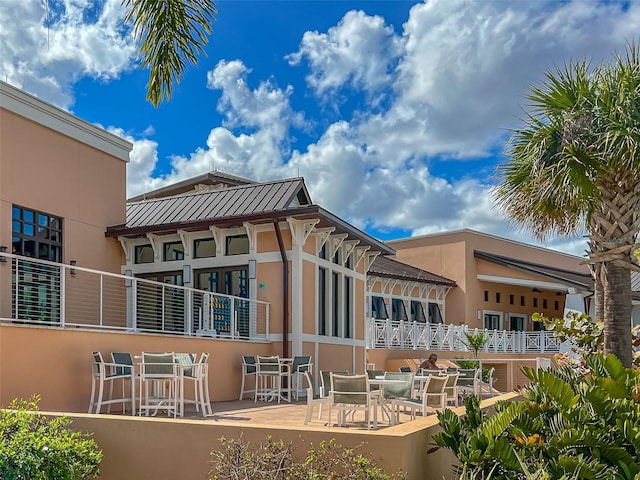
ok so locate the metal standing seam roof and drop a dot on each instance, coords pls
(390, 267)
(559, 274)
(235, 201)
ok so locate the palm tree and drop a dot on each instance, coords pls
(574, 166)
(171, 34)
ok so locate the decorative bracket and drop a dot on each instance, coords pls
(301, 229)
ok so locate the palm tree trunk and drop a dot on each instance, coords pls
(617, 312)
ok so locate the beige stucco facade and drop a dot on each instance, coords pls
(484, 287)
(54, 163)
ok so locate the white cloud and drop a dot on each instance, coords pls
(47, 55)
(360, 52)
(447, 86)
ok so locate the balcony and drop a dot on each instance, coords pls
(401, 335)
(54, 294)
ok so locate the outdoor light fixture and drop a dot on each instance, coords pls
(3, 249)
(72, 271)
(252, 269)
(186, 274)
(128, 282)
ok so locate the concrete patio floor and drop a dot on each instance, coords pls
(283, 414)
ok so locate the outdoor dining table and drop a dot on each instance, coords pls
(384, 406)
(155, 384)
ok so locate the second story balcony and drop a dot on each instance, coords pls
(401, 335)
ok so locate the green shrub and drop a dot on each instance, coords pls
(274, 460)
(569, 425)
(33, 447)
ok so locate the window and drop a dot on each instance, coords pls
(522, 300)
(486, 295)
(323, 252)
(511, 299)
(535, 303)
(544, 303)
(36, 234)
(172, 251)
(435, 316)
(143, 254)
(237, 245)
(555, 305)
(378, 308)
(160, 309)
(204, 248)
(322, 301)
(497, 297)
(348, 307)
(335, 283)
(398, 310)
(491, 321)
(230, 281)
(336, 257)
(516, 323)
(417, 312)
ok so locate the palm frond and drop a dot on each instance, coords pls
(172, 34)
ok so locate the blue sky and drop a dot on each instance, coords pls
(395, 112)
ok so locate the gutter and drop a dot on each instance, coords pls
(285, 290)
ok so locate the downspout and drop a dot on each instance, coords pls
(285, 291)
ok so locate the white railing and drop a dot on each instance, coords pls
(427, 336)
(56, 294)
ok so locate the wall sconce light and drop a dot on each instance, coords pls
(128, 282)
(479, 314)
(72, 271)
(186, 274)
(3, 249)
(252, 269)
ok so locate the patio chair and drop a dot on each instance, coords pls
(249, 369)
(372, 374)
(393, 391)
(300, 364)
(486, 388)
(431, 398)
(405, 370)
(451, 388)
(325, 378)
(350, 393)
(469, 381)
(312, 397)
(198, 372)
(103, 373)
(124, 362)
(270, 373)
(161, 384)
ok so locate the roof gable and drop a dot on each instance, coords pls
(250, 199)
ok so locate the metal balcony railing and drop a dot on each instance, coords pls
(56, 294)
(427, 336)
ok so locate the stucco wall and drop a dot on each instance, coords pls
(179, 449)
(56, 363)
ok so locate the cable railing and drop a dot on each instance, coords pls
(56, 294)
(402, 335)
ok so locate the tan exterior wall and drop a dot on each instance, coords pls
(47, 171)
(44, 170)
(270, 275)
(452, 255)
(169, 449)
(56, 363)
